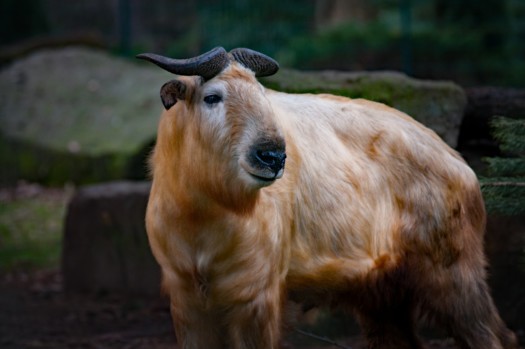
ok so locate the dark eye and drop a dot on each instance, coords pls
(212, 99)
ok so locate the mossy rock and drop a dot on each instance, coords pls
(77, 115)
(437, 104)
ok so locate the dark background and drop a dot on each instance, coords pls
(471, 42)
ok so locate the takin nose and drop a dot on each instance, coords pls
(269, 161)
(273, 159)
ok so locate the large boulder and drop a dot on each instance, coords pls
(437, 104)
(81, 115)
(105, 245)
(77, 114)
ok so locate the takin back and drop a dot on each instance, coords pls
(374, 213)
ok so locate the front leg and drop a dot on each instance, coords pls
(252, 323)
(240, 312)
(256, 324)
(195, 326)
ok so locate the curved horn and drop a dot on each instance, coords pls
(259, 63)
(207, 65)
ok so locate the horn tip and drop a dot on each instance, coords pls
(143, 56)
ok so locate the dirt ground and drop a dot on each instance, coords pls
(36, 314)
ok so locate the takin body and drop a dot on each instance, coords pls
(374, 214)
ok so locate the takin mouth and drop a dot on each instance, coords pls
(264, 175)
(267, 179)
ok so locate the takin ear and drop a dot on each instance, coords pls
(171, 91)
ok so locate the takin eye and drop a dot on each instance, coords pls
(212, 99)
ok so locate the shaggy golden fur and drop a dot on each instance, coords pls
(374, 213)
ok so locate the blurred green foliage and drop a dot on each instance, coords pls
(266, 26)
(31, 231)
(469, 41)
(504, 190)
(511, 133)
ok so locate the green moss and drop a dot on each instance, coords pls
(31, 232)
(52, 167)
(388, 88)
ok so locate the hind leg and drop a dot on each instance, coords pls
(465, 308)
(389, 329)
(475, 323)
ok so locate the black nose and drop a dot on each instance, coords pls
(273, 159)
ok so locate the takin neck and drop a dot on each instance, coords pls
(195, 194)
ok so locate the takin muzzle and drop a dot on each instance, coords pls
(268, 159)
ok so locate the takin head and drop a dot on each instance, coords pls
(219, 99)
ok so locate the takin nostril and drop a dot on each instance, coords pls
(272, 159)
